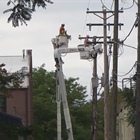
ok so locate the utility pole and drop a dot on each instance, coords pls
(106, 83)
(137, 122)
(106, 72)
(94, 92)
(115, 72)
(94, 98)
(95, 85)
(106, 68)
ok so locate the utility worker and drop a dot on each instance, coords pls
(55, 42)
(62, 30)
(86, 41)
(94, 40)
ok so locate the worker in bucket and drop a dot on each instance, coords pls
(86, 41)
(57, 57)
(55, 42)
(62, 30)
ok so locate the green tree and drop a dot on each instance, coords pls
(22, 10)
(44, 85)
(44, 102)
(130, 101)
(9, 80)
(100, 111)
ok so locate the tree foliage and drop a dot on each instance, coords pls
(22, 10)
(130, 101)
(9, 80)
(44, 90)
(44, 102)
(44, 99)
(100, 105)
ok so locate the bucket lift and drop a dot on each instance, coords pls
(61, 41)
(60, 44)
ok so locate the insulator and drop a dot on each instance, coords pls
(90, 28)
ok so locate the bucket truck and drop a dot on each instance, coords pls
(60, 44)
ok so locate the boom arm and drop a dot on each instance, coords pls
(62, 93)
(92, 50)
(61, 88)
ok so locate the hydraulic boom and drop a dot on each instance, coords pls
(61, 47)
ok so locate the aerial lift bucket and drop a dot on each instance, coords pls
(85, 55)
(63, 41)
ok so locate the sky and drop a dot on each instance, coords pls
(45, 24)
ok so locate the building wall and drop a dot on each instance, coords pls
(21, 102)
(124, 130)
(18, 104)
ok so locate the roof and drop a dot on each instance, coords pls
(10, 119)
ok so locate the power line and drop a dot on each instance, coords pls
(129, 7)
(131, 29)
(130, 46)
(127, 72)
(103, 5)
(121, 43)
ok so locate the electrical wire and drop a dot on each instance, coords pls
(130, 46)
(136, 2)
(127, 72)
(131, 29)
(103, 5)
(129, 7)
(85, 18)
(112, 4)
(98, 94)
(123, 40)
(121, 43)
(98, 29)
(116, 80)
(125, 37)
(122, 51)
(137, 78)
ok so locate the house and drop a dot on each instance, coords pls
(20, 102)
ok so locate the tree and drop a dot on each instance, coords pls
(22, 10)
(45, 107)
(44, 103)
(130, 101)
(100, 111)
(8, 81)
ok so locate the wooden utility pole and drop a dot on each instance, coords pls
(95, 85)
(30, 96)
(137, 123)
(115, 72)
(106, 82)
(106, 71)
(94, 99)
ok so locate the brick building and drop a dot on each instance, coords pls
(20, 104)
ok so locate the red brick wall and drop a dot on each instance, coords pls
(18, 105)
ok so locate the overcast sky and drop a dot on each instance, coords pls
(45, 24)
